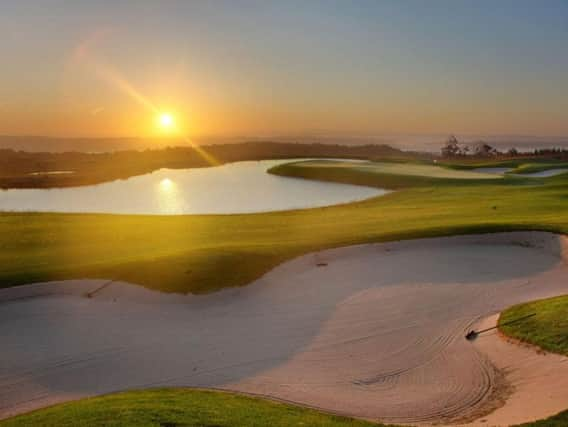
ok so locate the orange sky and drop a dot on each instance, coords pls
(271, 68)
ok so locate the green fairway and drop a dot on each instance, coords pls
(179, 407)
(204, 253)
(548, 329)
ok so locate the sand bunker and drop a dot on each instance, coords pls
(374, 331)
(537, 381)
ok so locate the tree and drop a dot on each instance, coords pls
(464, 151)
(512, 152)
(483, 149)
(451, 148)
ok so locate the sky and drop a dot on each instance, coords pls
(240, 67)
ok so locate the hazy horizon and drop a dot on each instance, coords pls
(408, 142)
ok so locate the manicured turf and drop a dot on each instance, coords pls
(548, 328)
(178, 407)
(399, 168)
(206, 253)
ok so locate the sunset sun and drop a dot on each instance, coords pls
(166, 121)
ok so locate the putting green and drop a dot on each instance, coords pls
(394, 168)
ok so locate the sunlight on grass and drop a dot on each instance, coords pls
(179, 407)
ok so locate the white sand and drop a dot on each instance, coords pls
(377, 333)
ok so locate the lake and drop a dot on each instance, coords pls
(241, 187)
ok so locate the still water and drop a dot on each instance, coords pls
(241, 187)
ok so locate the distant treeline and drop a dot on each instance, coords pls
(19, 169)
(452, 148)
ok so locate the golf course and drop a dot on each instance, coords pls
(353, 310)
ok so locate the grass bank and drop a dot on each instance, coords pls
(179, 407)
(548, 329)
(194, 408)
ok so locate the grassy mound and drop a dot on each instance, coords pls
(548, 329)
(178, 407)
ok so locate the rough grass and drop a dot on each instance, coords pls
(548, 329)
(179, 407)
(205, 253)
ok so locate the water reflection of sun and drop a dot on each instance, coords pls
(166, 184)
(168, 197)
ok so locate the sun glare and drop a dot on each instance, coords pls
(166, 121)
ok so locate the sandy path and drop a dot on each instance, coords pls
(377, 332)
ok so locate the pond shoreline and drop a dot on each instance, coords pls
(233, 188)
